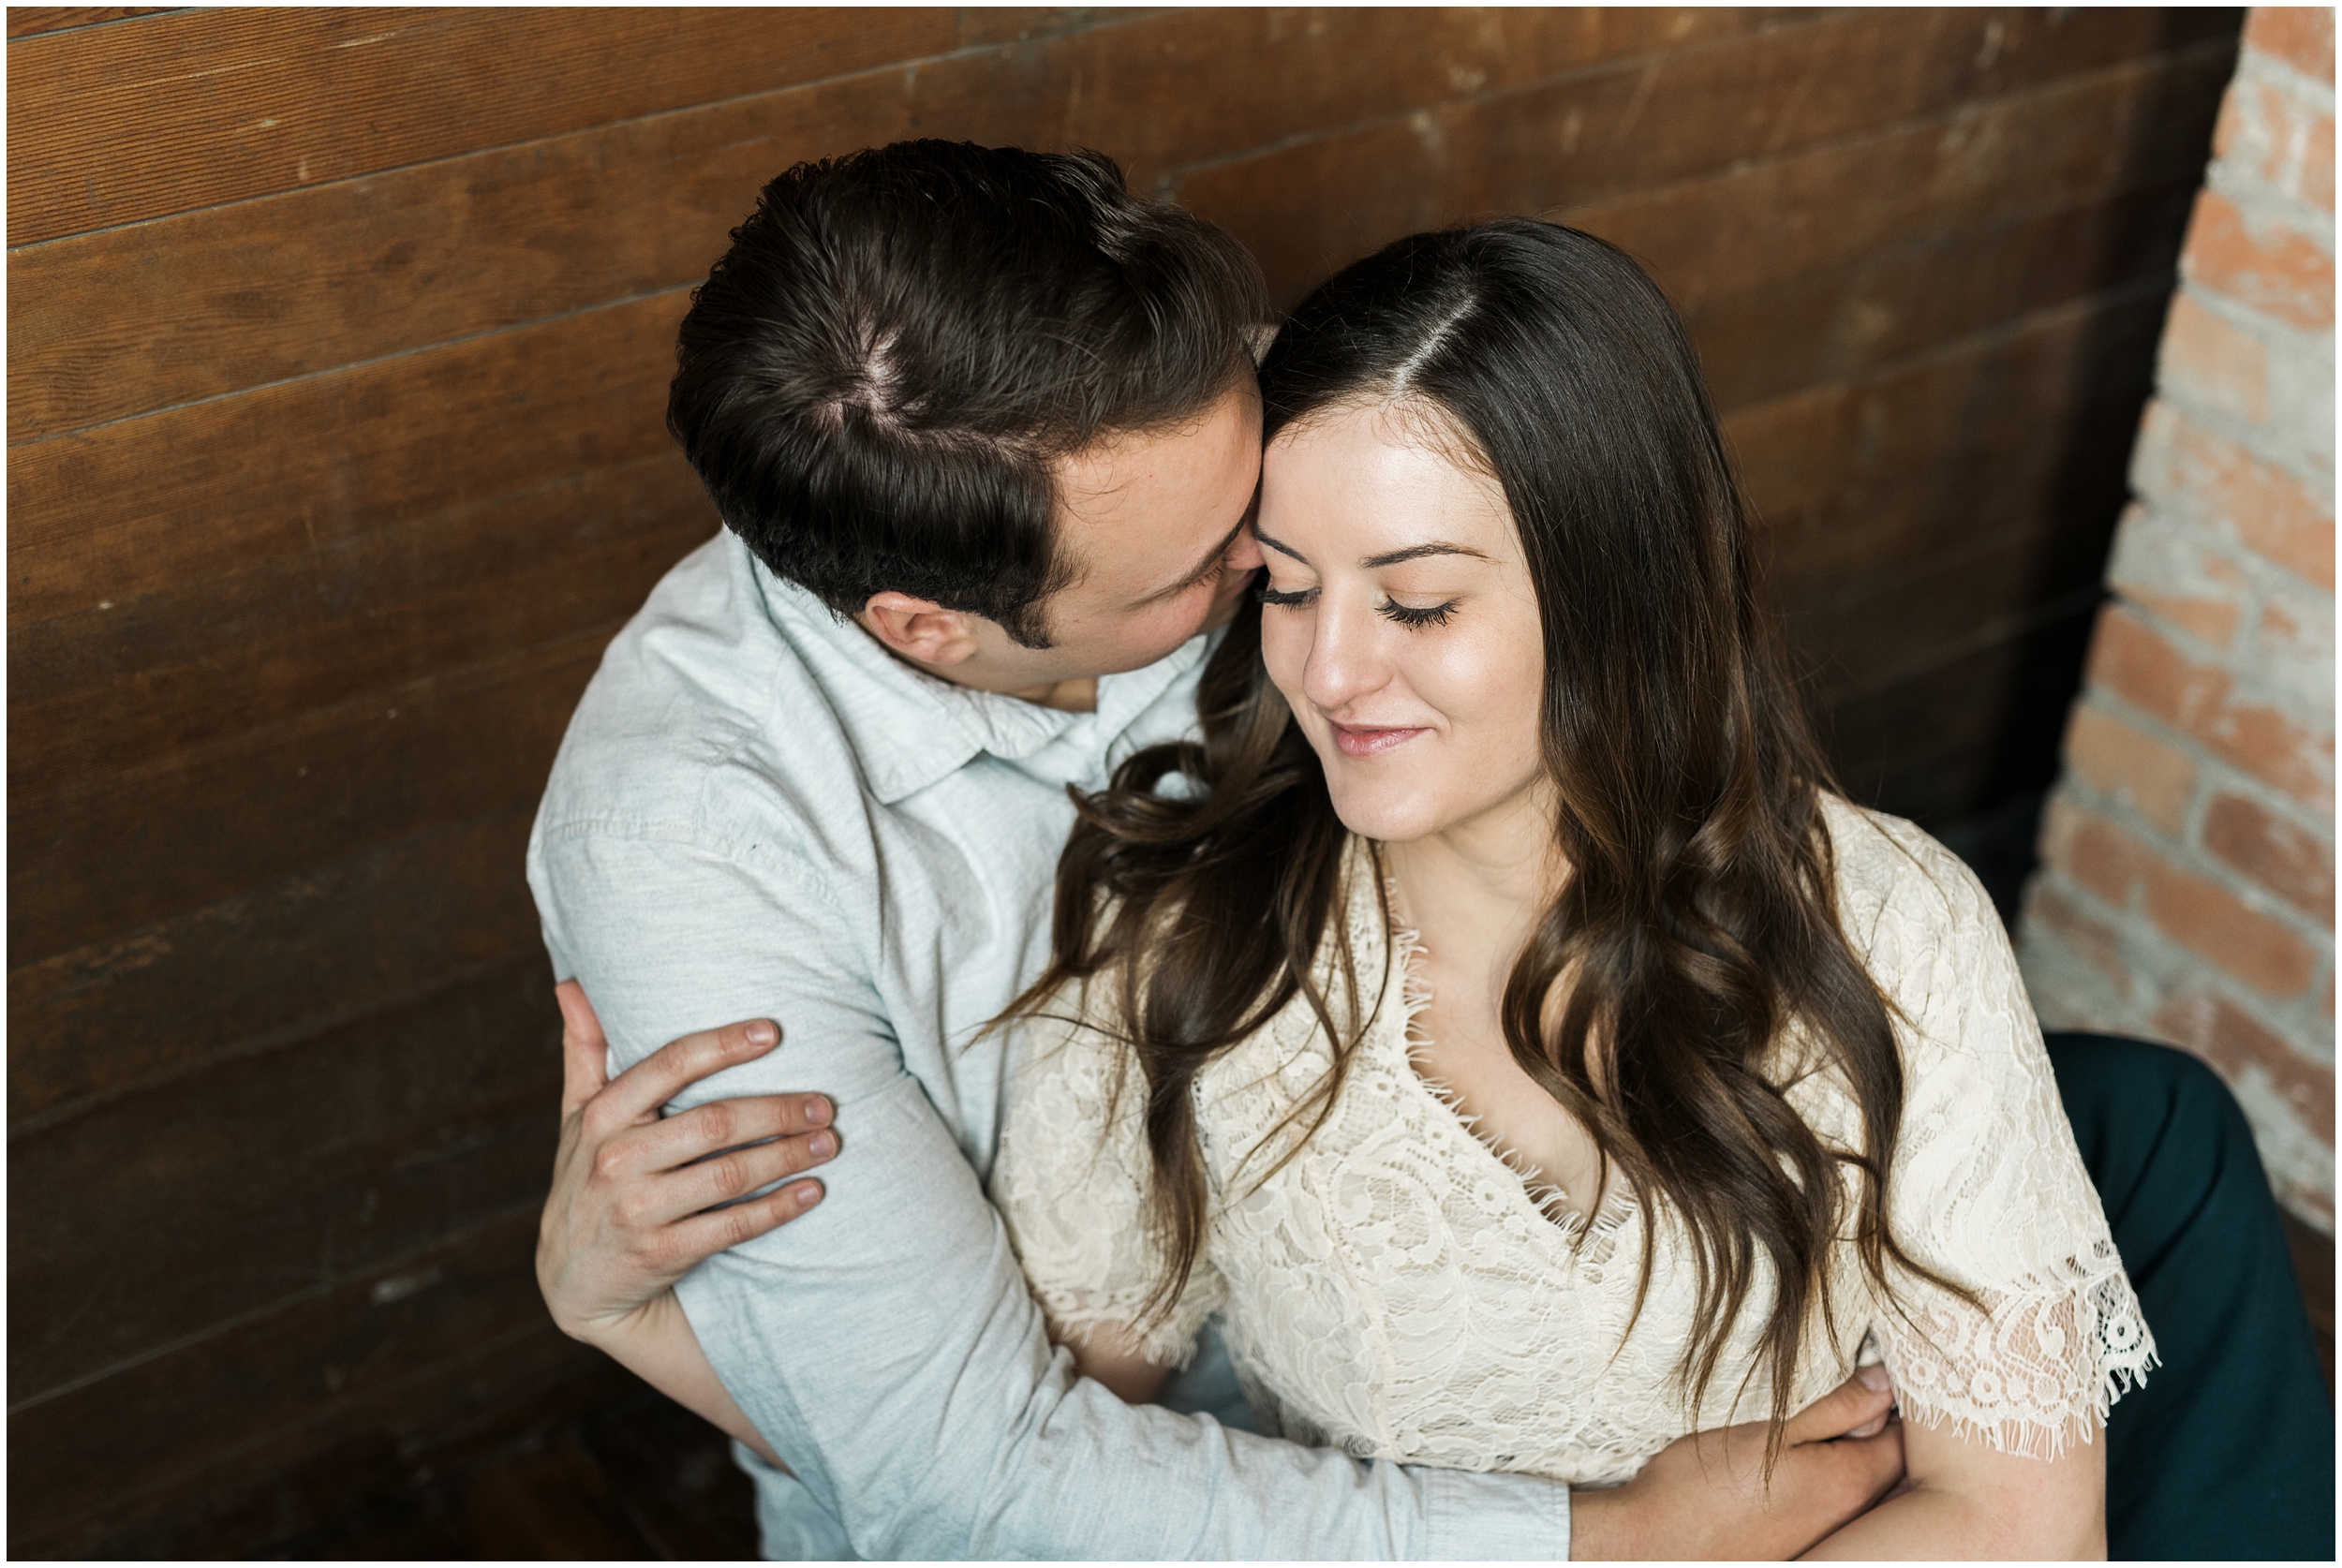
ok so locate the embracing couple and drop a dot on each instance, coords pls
(1292, 862)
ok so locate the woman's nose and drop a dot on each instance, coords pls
(1345, 661)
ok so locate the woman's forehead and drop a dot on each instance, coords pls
(1371, 472)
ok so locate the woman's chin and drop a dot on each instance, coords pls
(1386, 820)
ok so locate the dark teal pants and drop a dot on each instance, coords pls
(2228, 1451)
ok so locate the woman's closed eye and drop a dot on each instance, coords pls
(1414, 618)
(1411, 616)
(1291, 598)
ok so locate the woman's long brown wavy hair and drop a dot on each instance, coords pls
(1697, 920)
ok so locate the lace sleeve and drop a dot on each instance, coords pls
(1071, 1183)
(1989, 1190)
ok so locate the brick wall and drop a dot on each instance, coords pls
(2188, 884)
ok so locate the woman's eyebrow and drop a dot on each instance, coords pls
(1416, 552)
(1279, 545)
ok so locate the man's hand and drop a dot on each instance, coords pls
(631, 1209)
(1704, 1496)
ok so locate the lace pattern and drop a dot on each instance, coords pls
(1395, 1289)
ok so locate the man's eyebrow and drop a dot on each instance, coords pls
(1417, 552)
(1209, 565)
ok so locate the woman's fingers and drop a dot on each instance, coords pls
(739, 1172)
(693, 1135)
(687, 1242)
(585, 1054)
(635, 1095)
(647, 1177)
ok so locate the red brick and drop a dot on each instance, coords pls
(2293, 636)
(2124, 760)
(2279, 138)
(2093, 852)
(2164, 569)
(2272, 746)
(2204, 358)
(2210, 920)
(2194, 912)
(2128, 658)
(2267, 265)
(2314, 181)
(2098, 944)
(2289, 860)
(2231, 1038)
(2301, 35)
(2276, 514)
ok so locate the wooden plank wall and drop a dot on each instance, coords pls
(337, 344)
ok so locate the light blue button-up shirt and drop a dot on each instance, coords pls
(757, 812)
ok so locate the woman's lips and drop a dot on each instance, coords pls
(1360, 740)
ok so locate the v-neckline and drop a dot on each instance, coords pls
(1396, 1031)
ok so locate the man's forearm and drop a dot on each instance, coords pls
(888, 1345)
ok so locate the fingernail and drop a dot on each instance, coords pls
(823, 1145)
(817, 1110)
(763, 1033)
(1875, 1378)
(809, 1193)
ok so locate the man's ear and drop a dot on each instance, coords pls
(920, 629)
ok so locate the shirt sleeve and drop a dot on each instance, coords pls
(1072, 1181)
(1989, 1191)
(885, 1343)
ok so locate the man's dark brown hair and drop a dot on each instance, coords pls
(875, 379)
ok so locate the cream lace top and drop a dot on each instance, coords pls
(1395, 1289)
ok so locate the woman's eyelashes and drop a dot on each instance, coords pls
(1407, 615)
(1413, 618)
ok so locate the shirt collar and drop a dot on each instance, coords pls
(908, 728)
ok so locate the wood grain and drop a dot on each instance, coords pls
(1850, 319)
(1680, 202)
(215, 488)
(198, 662)
(224, 1445)
(134, 847)
(26, 21)
(1923, 747)
(325, 947)
(127, 320)
(277, 1175)
(199, 108)
(2129, 126)
(1876, 475)
(131, 319)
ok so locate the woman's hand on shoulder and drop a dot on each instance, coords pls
(633, 1204)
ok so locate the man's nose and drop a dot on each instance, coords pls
(1244, 555)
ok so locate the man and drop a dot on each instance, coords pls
(982, 430)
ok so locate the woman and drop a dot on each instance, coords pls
(1501, 1025)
